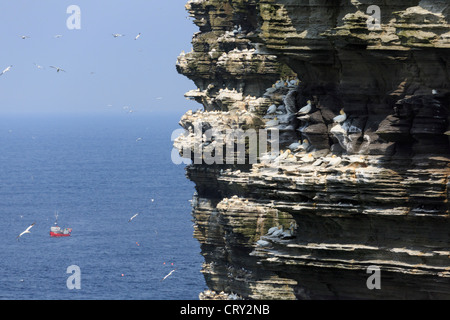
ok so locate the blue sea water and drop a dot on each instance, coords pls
(92, 170)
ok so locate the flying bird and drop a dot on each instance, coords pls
(26, 231)
(38, 66)
(133, 217)
(137, 37)
(170, 273)
(116, 35)
(6, 70)
(58, 69)
(24, 37)
(57, 36)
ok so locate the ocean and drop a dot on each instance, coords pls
(96, 171)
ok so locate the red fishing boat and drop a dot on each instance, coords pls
(56, 231)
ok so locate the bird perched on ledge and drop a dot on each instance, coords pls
(340, 118)
(306, 109)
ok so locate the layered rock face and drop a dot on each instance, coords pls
(369, 189)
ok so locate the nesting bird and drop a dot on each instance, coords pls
(272, 109)
(272, 123)
(306, 109)
(334, 161)
(340, 118)
(294, 146)
(309, 158)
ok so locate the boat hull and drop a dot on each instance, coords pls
(57, 235)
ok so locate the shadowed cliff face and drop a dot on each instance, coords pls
(370, 190)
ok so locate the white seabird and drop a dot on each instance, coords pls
(137, 37)
(308, 158)
(340, 118)
(116, 35)
(294, 146)
(306, 109)
(317, 163)
(170, 273)
(272, 230)
(278, 232)
(58, 69)
(6, 70)
(25, 37)
(270, 91)
(26, 231)
(262, 243)
(38, 66)
(272, 123)
(133, 217)
(283, 156)
(334, 161)
(272, 109)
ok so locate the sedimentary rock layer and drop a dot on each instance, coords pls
(369, 189)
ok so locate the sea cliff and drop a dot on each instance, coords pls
(371, 190)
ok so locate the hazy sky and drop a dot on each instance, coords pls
(101, 70)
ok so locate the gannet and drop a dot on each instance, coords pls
(334, 161)
(279, 84)
(115, 35)
(306, 117)
(357, 159)
(6, 70)
(272, 230)
(24, 37)
(294, 82)
(133, 217)
(305, 144)
(137, 37)
(308, 158)
(317, 163)
(434, 91)
(272, 109)
(38, 66)
(341, 118)
(26, 231)
(57, 69)
(57, 36)
(295, 145)
(272, 123)
(270, 91)
(283, 155)
(306, 109)
(170, 273)
(262, 243)
(278, 232)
